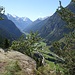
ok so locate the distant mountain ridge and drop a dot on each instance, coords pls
(36, 25)
(20, 22)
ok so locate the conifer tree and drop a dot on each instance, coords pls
(6, 43)
(27, 45)
(69, 52)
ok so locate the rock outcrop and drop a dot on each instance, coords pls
(26, 64)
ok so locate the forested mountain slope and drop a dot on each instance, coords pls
(54, 28)
(8, 29)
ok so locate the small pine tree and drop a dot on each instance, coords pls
(6, 43)
(27, 45)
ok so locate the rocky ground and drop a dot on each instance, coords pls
(26, 64)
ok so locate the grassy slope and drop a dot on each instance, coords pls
(48, 54)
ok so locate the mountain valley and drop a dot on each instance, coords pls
(45, 46)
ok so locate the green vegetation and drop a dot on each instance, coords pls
(6, 43)
(28, 45)
(12, 69)
(35, 48)
(65, 47)
(59, 62)
(68, 50)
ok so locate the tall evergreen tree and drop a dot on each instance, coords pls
(69, 52)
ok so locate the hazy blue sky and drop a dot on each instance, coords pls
(32, 9)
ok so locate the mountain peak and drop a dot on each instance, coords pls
(9, 15)
(25, 18)
(20, 22)
(42, 18)
(15, 16)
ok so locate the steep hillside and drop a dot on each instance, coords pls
(55, 26)
(20, 22)
(8, 29)
(52, 28)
